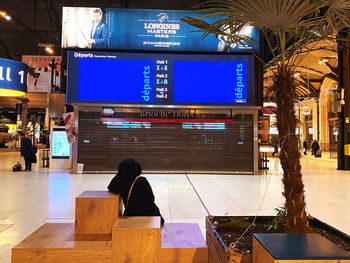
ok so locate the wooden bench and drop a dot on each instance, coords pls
(296, 248)
(136, 239)
(101, 235)
(89, 240)
(96, 212)
(182, 242)
(56, 242)
(141, 240)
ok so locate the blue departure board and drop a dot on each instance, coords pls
(159, 79)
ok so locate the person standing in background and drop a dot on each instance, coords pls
(99, 31)
(305, 147)
(315, 147)
(27, 152)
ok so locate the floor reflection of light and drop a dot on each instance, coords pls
(59, 188)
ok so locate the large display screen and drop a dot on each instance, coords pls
(60, 144)
(136, 29)
(160, 79)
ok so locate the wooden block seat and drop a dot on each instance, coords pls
(56, 243)
(140, 239)
(182, 242)
(100, 235)
(96, 212)
(136, 239)
(296, 248)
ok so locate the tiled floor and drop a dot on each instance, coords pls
(27, 200)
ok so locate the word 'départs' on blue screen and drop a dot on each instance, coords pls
(124, 80)
(210, 81)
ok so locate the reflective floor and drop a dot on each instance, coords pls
(29, 199)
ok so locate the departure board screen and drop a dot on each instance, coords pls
(159, 79)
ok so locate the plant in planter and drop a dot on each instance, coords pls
(226, 243)
(290, 27)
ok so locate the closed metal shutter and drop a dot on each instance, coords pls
(167, 146)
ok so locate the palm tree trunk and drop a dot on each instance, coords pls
(284, 87)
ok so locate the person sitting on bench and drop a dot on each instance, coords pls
(135, 190)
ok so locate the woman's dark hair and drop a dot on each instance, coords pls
(129, 169)
(97, 10)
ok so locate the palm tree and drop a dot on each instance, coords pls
(288, 26)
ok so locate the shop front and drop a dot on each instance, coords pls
(182, 140)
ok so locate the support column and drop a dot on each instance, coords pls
(325, 107)
(314, 108)
(344, 89)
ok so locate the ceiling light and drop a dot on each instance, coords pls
(306, 110)
(49, 50)
(323, 60)
(5, 15)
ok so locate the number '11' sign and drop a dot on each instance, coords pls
(7, 75)
(13, 76)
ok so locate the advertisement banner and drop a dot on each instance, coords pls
(136, 29)
(70, 127)
(42, 71)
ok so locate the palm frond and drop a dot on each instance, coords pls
(291, 24)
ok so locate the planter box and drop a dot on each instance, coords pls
(220, 253)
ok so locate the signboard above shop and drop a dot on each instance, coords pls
(159, 79)
(13, 78)
(136, 29)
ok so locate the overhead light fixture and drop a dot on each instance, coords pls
(306, 110)
(49, 50)
(296, 74)
(5, 15)
(324, 60)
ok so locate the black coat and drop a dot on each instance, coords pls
(315, 146)
(304, 144)
(141, 201)
(27, 150)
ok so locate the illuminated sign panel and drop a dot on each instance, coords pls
(136, 29)
(60, 144)
(13, 77)
(160, 79)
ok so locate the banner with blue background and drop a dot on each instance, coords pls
(136, 29)
(13, 77)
